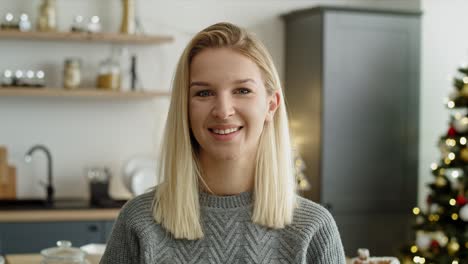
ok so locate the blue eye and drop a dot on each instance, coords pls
(203, 93)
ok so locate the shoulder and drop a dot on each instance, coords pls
(137, 212)
(310, 218)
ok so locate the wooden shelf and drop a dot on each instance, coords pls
(79, 93)
(86, 37)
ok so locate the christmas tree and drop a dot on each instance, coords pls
(442, 228)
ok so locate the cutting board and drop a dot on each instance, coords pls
(7, 181)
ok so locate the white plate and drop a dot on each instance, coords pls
(139, 174)
(142, 180)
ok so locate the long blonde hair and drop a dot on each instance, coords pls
(176, 202)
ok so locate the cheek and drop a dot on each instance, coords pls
(195, 116)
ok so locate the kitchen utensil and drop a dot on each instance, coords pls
(64, 253)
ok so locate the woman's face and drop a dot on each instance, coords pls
(228, 104)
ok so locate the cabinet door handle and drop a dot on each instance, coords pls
(92, 228)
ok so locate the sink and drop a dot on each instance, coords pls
(38, 204)
(23, 204)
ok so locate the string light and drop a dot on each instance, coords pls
(463, 140)
(451, 156)
(450, 142)
(414, 249)
(451, 104)
(452, 202)
(418, 259)
(416, 211)
(434, 166)
(434, 218)
(454, 216)
(455, 174)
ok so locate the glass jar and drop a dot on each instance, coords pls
(47, 19)
(72, 73)
(64, 253)
(109, 76)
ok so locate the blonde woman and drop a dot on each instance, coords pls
(229, 190)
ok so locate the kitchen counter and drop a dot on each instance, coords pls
(36, 258)
(58, 215)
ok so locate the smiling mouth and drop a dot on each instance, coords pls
(224, 131)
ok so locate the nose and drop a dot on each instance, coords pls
(224, 107)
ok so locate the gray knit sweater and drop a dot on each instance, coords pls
(230, 235)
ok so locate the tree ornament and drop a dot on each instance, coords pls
(461, 200)
(453, 246)
(454, 175)
(461, 125)
(464, 154)
(423, 240)
(434, 244)
(440, 181)
(463, 214)
(441, 238)
(451, 132)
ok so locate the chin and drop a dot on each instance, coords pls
(226, 156)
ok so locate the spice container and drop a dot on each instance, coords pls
(72, 73)
(109, 76)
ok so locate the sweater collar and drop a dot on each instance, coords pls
(226, 202)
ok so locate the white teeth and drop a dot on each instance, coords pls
(224, 132)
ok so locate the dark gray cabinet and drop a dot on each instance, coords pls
(33, 237)
(352, 88)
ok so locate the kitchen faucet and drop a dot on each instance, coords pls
(49, 186)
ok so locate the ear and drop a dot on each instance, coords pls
(273, 103)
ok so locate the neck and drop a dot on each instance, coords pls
(227, 177)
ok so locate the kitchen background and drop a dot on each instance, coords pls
(82, 133)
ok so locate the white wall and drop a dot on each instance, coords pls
(82, 133)
(444, 48)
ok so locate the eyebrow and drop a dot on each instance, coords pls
(236, 82)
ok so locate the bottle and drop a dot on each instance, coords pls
(47, 20)
(128, 17)
(109, 76)
(72, 73)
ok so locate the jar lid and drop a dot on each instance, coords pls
(64, 251)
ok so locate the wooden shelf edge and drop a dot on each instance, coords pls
(105, 37)
(58, 215)
(82, 92)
